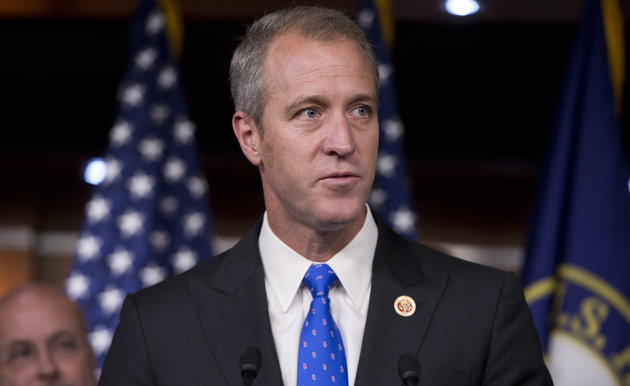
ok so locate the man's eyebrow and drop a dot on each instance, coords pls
(308, 100)
(366, 98)
(18, 343)
(63, 334)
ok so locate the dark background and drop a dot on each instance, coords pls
(477, 98)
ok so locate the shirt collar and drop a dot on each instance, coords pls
(285, 268)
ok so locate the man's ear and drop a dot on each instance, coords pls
(248, 136)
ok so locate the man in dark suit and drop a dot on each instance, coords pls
(304, 81)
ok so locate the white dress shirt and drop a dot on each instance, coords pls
(289, 300)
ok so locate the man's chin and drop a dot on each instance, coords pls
(342, 217)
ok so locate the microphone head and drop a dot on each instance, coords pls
(251, 360)
(408, 368)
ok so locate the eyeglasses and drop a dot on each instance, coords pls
(23, 354)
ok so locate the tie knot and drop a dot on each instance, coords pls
(319, 279)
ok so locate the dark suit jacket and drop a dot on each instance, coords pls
(471, 327)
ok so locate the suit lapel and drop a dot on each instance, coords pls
(232, 307)
(388, 335)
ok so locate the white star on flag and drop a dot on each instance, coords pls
(151, 149)
(378, 197)
(193, 224)
(197, 186)
(159, 240)
(155, 22)
(130, 223)
(120, 262)
(77, 286)
(146, 58)
(140, 185)
(113, 168)
(174, 169)
(184, 259)
(184, 131)
(386, 165)
(121, 133)
(403, 219)
(159, 113)
(111, 299)
(98, 209)
(366, 18)
(152, 274)
(168, 205)
(133, 95)
(167, 77)
(100, 339)
(384, 72)
(88, 247)
(393, 129)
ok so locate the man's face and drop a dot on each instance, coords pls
(320, 143)
(42, 342)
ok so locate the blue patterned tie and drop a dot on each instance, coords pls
(321, 359)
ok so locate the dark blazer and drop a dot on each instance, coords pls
(471, 327)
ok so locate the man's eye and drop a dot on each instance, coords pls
(20, 354)
(309, 113)
(363, 111)
(65, 345)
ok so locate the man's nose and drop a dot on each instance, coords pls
(339, 137)
(47, 367)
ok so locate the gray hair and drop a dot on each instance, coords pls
(248, 61)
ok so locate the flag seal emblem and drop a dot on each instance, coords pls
(585, 307)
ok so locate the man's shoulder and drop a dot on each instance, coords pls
(176, 288)
(472, 283)
(230, 263)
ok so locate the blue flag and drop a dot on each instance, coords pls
(577, 268)
(390, 195)
(149, 218)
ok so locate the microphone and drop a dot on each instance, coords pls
(409, 370)
(250, 365)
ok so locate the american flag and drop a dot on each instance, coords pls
(149, 218)
(390, 195)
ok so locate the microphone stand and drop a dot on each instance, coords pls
(409, 370)
(250, 365)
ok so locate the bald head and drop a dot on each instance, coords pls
(43, 339)
(26, 296)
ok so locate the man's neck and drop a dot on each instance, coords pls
(316, 245)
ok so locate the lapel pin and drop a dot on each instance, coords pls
(404, 306)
